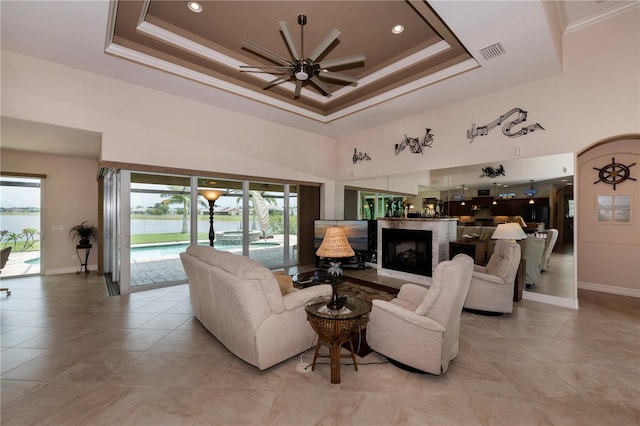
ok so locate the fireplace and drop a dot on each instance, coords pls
(409, 239)
(407, 250)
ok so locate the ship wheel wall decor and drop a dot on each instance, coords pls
(614, 173)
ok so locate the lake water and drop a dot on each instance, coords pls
(151, 226)
(16, 223)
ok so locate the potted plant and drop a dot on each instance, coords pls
(84, 233)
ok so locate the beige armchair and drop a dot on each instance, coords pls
(4, 257)
(491, 286)
(420, 328)
(549, 243)
(532, 249)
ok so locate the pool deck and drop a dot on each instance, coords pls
(165, 269)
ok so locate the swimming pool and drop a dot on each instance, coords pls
(168, 250)
(156, 251)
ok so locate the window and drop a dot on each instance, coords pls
(613, 208)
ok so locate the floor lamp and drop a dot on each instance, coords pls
(211, 195)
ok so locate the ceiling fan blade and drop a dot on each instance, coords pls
(338, 76)
(269, 54)
(296, 94)
(342, 61)
(276, 81)
(315, 80)
(333, 34)
(287, 37)
(259, 67)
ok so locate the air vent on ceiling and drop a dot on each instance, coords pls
(492, 51)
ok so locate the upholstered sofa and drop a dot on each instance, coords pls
(241, 303)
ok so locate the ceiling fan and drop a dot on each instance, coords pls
(301, 69)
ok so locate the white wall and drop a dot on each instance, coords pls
(144, 126)
(595, 97)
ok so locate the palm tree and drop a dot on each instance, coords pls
(180, 195)
(30, 234)
(13, 236)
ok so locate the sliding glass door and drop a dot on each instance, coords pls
(20, 224)
(159, 227)
(158, 216)
(273, 224)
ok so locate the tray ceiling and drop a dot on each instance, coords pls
(206, 47)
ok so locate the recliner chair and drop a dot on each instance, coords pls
(492, 286)
(420, 328)
(532, 251)
(549, 244)
(4, 257)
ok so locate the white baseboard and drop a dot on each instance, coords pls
(551, 300)
(603, 288)
(69, 270)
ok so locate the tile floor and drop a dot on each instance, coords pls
(73, 356)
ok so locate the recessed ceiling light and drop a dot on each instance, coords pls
(397, 29)
(194, 6)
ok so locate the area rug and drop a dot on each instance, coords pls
(350, 286)
(366, 290)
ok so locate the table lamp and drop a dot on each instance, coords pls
(211, 196)
(335, 245)
(509, 231)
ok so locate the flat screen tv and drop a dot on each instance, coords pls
(357, 232)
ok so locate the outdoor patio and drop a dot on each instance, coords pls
(165, 269)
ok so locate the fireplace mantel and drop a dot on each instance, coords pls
(442, 231)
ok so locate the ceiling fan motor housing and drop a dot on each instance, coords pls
(303, 70)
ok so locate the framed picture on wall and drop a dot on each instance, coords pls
(613, 208)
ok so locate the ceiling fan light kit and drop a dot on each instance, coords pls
(301, 68)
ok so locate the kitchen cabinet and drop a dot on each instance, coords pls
(455, 208)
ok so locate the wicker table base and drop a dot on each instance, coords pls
(334, 329)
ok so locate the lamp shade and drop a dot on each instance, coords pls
(335, 244)
(211, 194)
(509, 231)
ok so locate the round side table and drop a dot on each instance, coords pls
(335, 327)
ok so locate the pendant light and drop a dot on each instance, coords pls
(463, 197)
(531, 192)
(494, 202)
